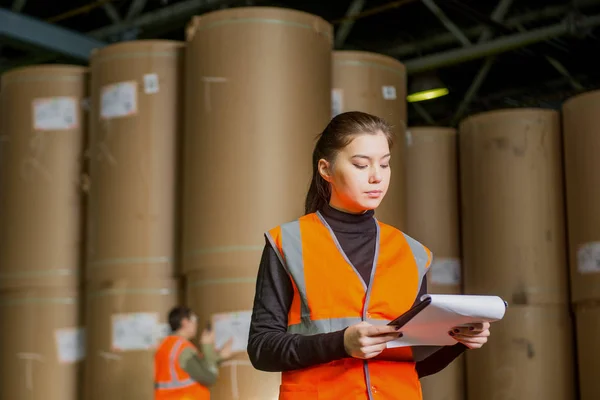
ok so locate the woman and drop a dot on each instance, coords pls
(329, 281)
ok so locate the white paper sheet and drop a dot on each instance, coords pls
(445, 271)
(236, 326)
(70, 345)
(588, 258)
(133, 331)
(431, 326)
(161, 331)
(337, 102)
(55, 114)
(118, 100)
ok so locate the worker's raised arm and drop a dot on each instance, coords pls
(201, 368)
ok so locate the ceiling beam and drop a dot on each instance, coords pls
(18, 5)
(497, 46)
(39, 34)
(182, 10)
(112, 12)
(498, 15)
(135, 9)
(150, 20)
(447, 22)
(344, 30)
(448, 39)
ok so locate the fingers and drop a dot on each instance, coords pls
(473, 336)
(473, 342)
(371, 340)
(469, 333)
(379, 339)
(378, 334)
(371, 351)
(472, 329)
(375, 330)
(459, 336)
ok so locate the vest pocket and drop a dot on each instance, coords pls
(294, 391)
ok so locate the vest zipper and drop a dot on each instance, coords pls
(367, 287)
(366, 308)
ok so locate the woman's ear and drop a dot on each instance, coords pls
(325, 170)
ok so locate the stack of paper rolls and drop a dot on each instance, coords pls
(131, 276)
(514, 246)
(432, 219)
(42, 128)
(580, 120)
(258, 87)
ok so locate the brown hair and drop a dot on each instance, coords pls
(177, 315)
(338, 134)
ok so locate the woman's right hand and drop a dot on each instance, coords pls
(364, 340)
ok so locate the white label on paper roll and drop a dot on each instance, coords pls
(235, 325)
(337, 102)
(161, 331)
(135, 331)
(118, 100)
(445, 271)
(588, 258)
(389, 92)
(151, 83)
(55, 113)
(408, 137)
(70, 344)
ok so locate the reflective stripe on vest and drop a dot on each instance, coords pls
(174, 383)
(292, 259)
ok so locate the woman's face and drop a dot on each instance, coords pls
(360, 174)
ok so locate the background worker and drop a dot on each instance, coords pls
(181, 372)
(327, 277)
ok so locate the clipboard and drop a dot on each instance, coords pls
(416, 309)
(413, 312)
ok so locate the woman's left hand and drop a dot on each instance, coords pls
(472, 335)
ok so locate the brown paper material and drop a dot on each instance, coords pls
(234, 286)
(120, 360)
(432, 202)
(40, 344)
(376, 84)
(529, 355)
(253, 113)
(136, 118)
(587, 317)
(448, 384)
(432, 219)
(514, 243)
(239, 380)
(581, 115)
(42, 132)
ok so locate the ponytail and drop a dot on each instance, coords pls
(318, 194)
(319, 191)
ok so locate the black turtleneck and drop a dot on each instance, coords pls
(357, 235)
(271, 348)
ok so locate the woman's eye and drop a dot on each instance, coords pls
(360, 166)
(384, 166)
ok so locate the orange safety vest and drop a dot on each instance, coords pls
(330, 295)
(171, 382)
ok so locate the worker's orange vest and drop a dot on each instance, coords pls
(170, 381)
(329, 295)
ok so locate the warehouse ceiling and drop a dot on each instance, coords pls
(490, 54)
